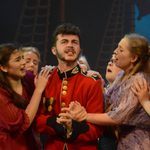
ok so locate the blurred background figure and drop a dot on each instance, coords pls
(111, 71)
(32, 59)
(108, 141)
(83, 63)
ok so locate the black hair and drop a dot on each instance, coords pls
(66, 28)
(5, 53)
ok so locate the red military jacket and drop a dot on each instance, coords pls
(62, 88)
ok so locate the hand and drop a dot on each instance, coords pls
(141, 90)
(91, 73)
(51, 68)
(77, 111)
(42, 79)
(65, 119)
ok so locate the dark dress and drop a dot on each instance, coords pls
(15, 133)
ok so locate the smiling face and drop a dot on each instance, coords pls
(67, 49)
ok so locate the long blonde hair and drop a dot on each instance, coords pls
(139, 45)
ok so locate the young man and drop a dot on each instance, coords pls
(66, 84)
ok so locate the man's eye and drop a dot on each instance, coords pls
(63, 42)
(75, 42)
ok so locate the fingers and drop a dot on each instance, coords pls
(80, 116)
(49, 67)
(42, 79)
(64, 118)
(65, 115)
(65, 109)
(71, 106)
(74, 104)
(45, 72)
(145, 85)
(134, 91)
(75, 111)
(140, 85)
(141, 89)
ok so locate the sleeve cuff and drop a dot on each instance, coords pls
(77, 129)
(59, 129)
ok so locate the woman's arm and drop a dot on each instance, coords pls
(100, 119)
(41, 82)
(78, 113)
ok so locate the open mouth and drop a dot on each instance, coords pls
(115, 59)
(109, 70)
(70, 52)
(22, 70)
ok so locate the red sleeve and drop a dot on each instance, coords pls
(94, 105)
(41, 121)
(12, 119)
(41, 124)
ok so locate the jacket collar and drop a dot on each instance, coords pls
(69, 73)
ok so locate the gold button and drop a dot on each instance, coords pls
(51, 100)
(65, 87)
(65, 82)
(50, 108)
(63, 104)
(64, 92)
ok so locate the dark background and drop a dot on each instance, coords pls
(94, 17)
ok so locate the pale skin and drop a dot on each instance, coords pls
(32, 61)
(77, 112)
(15, 70)
(41, 82)
(112, 70)
(142, 91)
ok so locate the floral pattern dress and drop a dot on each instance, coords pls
(127, 111)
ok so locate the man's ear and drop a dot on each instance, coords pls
(53, 49)
(3, 68)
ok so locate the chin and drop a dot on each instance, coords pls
(71, 60)
(22, 75)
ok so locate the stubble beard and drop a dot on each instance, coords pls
(63, 59)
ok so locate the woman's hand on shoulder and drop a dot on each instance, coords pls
(42, 78)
